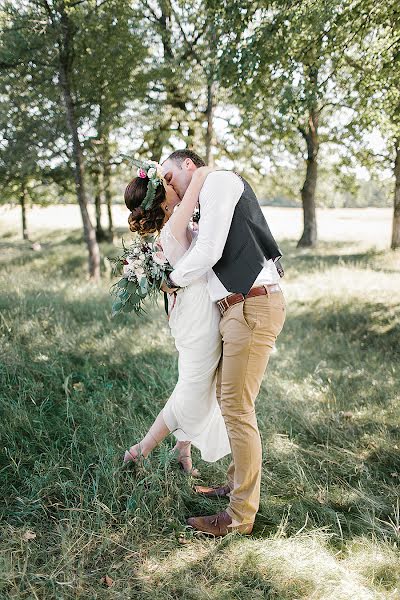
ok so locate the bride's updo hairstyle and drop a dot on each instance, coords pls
(142, 221)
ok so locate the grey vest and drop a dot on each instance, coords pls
(248, 244)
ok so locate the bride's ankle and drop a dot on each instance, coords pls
(184, 449)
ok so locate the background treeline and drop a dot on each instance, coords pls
(291, 93)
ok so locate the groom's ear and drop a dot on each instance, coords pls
(189, 165)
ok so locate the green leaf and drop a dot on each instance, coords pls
(124, 296)
(131, 287)
(143, 284)
(116, 307)
(150, 195)
(123, 283)
(128, 308)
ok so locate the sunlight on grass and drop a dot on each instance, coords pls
(78, 387)
(302, 566)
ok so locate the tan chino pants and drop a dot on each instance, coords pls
(249, 330)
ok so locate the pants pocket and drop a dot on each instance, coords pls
(277, 317)
(266, 312)
(249, 315)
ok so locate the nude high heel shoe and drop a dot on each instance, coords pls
(185, 461)
(133, 454)
(143, 448)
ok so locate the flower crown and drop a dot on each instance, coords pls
(152, 170)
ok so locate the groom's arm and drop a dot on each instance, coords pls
(218, 199)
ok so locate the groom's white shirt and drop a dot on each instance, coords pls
(218, 198)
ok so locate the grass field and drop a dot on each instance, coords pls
(77, 388)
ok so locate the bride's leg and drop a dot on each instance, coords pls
(155, 435)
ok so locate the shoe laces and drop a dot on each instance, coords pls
(215, 521)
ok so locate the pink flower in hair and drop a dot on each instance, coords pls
(142, 174)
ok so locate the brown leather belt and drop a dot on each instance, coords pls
(261, 290)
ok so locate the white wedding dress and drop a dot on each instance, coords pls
(192, 411)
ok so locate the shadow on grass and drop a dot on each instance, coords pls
(244, 582)
(331, 392)
(77, 388)
(82, 378)
(66, 256)
(371, 328)
(61, 254)
(327, 255)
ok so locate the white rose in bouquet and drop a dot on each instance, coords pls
(139, 272)
(159, 258)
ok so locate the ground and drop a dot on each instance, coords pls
(78, 387)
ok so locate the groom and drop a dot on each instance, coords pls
(237, 251)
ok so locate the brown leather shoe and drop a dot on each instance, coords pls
(212, 492)
(217, 525)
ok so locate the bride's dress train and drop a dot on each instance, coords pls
(192, 411)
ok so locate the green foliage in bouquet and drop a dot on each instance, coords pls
(142, 268)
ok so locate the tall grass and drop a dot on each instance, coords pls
(77, 388)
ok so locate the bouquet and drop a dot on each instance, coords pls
(143, 268)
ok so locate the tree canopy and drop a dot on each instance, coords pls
(284, 92)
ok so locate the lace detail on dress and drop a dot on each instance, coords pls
(173, 249)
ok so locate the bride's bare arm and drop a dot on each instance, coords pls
(181, 217)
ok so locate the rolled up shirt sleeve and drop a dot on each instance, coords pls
(218, 199)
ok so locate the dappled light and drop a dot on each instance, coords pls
(199, 300)
(76, 385)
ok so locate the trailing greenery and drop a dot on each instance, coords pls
(76, 388)
(142, 268)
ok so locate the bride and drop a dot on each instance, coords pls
(192, 412)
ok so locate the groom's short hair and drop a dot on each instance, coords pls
(179, 156)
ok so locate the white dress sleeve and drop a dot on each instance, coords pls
(173, 249)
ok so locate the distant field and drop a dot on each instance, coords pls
(367, 226)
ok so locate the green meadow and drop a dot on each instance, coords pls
(77, 388)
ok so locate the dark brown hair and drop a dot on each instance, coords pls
(142, 221)
(179, 156)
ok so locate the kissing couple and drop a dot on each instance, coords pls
(225, 309)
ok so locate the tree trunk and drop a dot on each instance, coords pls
(107, 195)
(156, 143)
(22, 199)
(396, 213)
(309, 236)
(107, 187)
(174, 92)
(210, 126)
(65, 64)
(97, 204)
(100, 235)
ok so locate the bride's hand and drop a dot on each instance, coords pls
(180, 219)
(201, 173)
